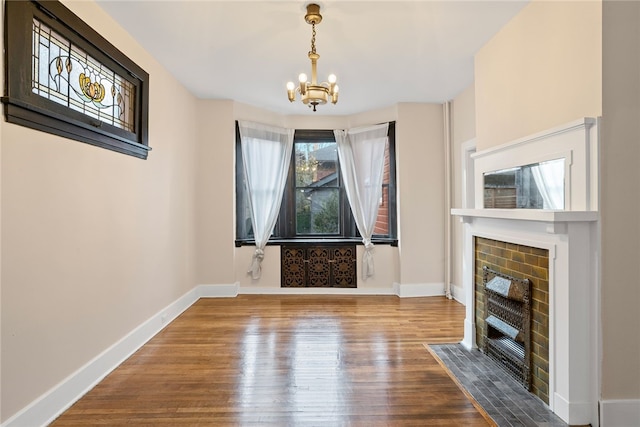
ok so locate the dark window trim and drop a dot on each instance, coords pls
(23, 107)
(339, 240)
(284, 231)
(393, 200)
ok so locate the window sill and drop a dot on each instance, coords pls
(329, 241)
(34, 117)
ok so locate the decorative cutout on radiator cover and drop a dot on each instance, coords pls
(318, 265)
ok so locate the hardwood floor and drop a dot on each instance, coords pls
(289, 360)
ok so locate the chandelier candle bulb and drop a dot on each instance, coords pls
(313, 93)
(291, 91)
(332, 86)
(302, 78)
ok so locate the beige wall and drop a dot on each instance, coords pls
(463, 118)
(620, 201)
(543, 69)
(420, 174)
(94, 242)
(215, 189)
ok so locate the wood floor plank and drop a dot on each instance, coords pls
(289, 360)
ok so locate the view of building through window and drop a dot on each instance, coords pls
(317, 188)
(382, 222)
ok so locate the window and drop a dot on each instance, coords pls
(63, 78)
(314, 198)
(315, 204)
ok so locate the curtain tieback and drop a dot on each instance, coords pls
(256, 264)
(258, 255)
(367, 259)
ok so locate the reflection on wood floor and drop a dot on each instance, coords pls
(289, 360)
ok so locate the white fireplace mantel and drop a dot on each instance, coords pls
(572, 238)
(538, 215)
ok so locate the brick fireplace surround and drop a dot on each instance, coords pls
(562, 263)
(522, 262)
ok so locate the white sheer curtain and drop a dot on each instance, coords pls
(266, 154)
(549, 177)
(361, 154)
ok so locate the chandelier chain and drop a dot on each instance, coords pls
(313, 37)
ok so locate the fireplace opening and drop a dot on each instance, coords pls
(507, 338)
(515, 262)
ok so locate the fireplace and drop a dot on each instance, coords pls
(557, 251)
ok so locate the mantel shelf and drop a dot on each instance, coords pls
(539, 215)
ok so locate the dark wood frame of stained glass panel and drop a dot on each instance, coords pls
(25, 107)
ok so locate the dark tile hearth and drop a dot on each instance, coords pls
(502, 397)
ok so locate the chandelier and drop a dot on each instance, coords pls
(313, 93)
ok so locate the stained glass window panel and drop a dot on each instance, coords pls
(67, 75)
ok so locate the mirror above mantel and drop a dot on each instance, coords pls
(554, 170)
(534, 186)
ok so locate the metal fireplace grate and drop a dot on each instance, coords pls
(507, 337)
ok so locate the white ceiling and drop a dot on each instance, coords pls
(382, 52)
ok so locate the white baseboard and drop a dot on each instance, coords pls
(401, 290)
(458, 294)
(406, 290)
(469, 340)
(573, 413)
(218, 291)
(265, 290)
(54, 402)
(620, 413)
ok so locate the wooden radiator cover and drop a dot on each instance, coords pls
(328, 265)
